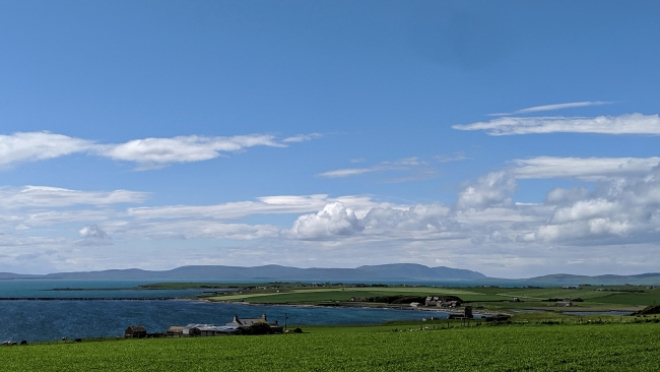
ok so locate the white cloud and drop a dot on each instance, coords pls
(334, 219)
(148, 153)
(564, 196)
(44, 196)
(302, 138)
(449, 158)
(93, 235)
(404, 164)
(557, 106)
(582, 168)
(624, 124)
(93, 231)
(492, 189)
(33, 146)
(280, 204)
(159, 152)
(339, 173)
(194, 229)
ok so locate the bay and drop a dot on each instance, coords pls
(50, 320)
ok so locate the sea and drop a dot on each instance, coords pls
(104, 309)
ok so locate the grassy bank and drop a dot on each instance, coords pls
(592, 347)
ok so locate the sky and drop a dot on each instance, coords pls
(512, 138)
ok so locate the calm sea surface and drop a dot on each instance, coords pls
(53, 319)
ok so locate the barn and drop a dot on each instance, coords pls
(135, 331)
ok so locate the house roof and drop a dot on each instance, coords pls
(136, 328)
(243, 322)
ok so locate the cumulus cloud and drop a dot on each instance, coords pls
(624, 124)
(93, 235)
(614, 209)
(561, 195)
(333, 220)
(148, 153)
(93, 231)
(33, 146)
(582, 168)
(494, 188)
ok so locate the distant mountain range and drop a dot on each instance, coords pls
(389, 273)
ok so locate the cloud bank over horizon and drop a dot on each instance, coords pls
(622, 210)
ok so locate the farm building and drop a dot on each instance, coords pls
(175, 331)
(564, 303)
(211, 330)
(467, 314)
(449, 303)
(135, 331)
(431, 301)
(187, 329)
(247, 322)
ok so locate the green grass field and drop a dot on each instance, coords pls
(610, 347)
(622, 298)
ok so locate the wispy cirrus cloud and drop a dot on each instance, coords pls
(450, 158)
(553, 107)
(400, 164)
(302, 137)
(589, 169)
(623, 124)
(148, 153)
(44, 196)
(279, 204)
(159, 152)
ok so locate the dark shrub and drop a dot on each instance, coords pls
(259, 329)
(297, 330)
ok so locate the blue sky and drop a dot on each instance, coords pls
(512, 138)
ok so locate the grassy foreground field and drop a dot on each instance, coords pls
(593, 347)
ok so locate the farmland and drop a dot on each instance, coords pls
(570, 347)
(585, 298)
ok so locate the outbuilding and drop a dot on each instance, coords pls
(175, 331)
(135, 331)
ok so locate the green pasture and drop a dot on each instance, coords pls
(593, 347)
(545, 293)
(646, 299)
(596, 298)
(316, 295)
